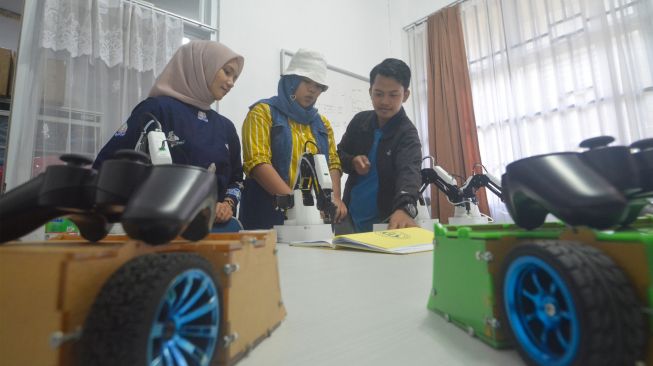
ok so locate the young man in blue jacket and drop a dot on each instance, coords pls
(381, 152)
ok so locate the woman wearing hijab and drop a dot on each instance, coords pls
(198, 74)
(275, 132)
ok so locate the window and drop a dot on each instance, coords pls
(202, 13)
(547, 74)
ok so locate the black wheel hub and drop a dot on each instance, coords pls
(169, 330)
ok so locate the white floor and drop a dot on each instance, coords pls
(362, 308)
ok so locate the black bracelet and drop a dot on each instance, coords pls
(284, 201)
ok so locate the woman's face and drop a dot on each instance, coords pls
(307, 92)
(224, 80)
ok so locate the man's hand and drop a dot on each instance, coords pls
(361, 164)
(400, 219)
(223, 212)
(341, 210)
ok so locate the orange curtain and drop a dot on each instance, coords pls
(452, 128)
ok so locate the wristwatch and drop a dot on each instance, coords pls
(283, 201)
(231, 203)
(410, 209)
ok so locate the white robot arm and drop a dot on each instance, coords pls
(463, 198)
(311, 193)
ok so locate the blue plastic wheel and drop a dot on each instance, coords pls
(541, 311)
(157, 309)
(186, 326)
(567, 303)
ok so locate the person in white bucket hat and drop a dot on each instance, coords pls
(274, 135)
(309, 64)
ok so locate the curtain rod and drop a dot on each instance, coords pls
(423, 19)
(183, 18)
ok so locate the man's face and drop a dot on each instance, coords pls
(387, 97)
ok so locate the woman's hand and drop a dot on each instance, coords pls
(361, 164)
(341, 210)
(223, 212)
(400, 219)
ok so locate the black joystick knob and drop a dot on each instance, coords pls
(644, 160)
(596, 142)
(76, 160)
(642, 145)
(572, 190)
(132, 155)
(117, 181)
(61, 190)
(615, 163)
(173, 200)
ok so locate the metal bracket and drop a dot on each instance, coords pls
(229, 339)
(253, 241)
(230, 268)
(58, 338)
(470, 331)
(493, 323)
(484, 256)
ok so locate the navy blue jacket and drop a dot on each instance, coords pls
(208, 138)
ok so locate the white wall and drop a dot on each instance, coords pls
(9, 31)
(352, 34)
(405, 12)
(10, 28)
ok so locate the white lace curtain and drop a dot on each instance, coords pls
(547, 74)
(83, 66)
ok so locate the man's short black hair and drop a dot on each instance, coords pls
(392, 68)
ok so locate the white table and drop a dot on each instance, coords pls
(362, 308)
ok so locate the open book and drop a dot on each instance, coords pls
(398, 241)
(325, 243)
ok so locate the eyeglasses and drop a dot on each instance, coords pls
(313, 84)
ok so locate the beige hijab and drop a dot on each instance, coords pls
(190, 72)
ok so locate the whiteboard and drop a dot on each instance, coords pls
(347, 95)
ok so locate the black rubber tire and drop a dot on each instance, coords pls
(632, 326)
(612, 326)
(116, 330)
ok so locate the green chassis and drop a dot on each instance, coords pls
(467, 264)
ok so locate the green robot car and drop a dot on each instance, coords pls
(576, 292)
